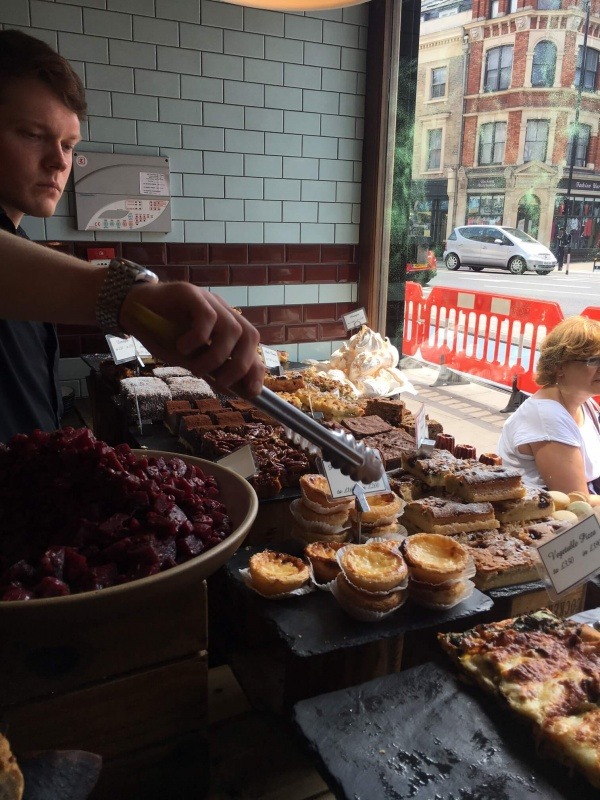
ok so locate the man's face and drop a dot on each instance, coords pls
(37, 136)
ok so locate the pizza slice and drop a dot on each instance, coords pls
(548, 671)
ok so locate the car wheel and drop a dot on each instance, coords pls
(517, 265)
(452, 262)
(477, 269)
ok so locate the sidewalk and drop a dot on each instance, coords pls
(468, 411)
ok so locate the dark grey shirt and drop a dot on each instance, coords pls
(30, 395)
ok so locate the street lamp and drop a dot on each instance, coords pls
(575, 136)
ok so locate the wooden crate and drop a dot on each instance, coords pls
(532, 600)
(273, 678)
(131, 686)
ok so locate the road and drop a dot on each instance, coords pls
(573, 292)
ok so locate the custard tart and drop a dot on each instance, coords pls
(277, 573)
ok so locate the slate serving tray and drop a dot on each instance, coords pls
(423, 734)
(314, 624)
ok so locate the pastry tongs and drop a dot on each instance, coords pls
(340, 449)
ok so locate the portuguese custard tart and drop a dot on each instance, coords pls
(382, 508)
(277, 573)
(373, 567)
(434, 558)
(377, 603)
(323, 558)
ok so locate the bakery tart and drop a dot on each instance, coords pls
(374, 603)
(439, 594)
(323, 559)
(373, 567)
(277, 573)
(434, 558)
(316, 495)
(383, 508)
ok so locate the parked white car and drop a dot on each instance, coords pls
(481, 246)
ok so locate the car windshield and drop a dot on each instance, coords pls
(524, 237)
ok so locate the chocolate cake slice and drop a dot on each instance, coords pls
(371, 425)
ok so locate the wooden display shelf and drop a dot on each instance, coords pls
(127, 681)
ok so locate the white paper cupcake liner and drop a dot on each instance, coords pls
(362, 614)
(467, 592)
(247, 579)
(318, 509)
(310, 525)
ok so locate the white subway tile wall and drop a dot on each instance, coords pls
(273, 98)
(260, 113)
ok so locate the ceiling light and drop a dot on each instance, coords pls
(296, 5)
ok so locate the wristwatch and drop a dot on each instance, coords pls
(121, 276)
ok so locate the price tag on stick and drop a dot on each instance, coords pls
(341, 485)
(271, 359)
(573, 556)
(354, 319)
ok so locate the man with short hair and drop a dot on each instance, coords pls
(42, 103)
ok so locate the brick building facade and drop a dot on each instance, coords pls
(521, 161)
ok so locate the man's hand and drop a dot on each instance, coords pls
(215, 342)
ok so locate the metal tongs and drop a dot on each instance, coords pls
(342, 450)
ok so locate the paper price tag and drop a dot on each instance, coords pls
(240, 461)
(128, 349)
(341, 485)
(573, 556)
(271, 359)
(421, 429)
(354, 319)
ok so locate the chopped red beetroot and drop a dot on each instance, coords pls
(101, 516)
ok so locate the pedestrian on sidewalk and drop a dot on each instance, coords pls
(563, 245)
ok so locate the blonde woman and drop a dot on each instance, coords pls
(554, 436)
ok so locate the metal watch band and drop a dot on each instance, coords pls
(121, 276)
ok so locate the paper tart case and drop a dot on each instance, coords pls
(363, 614)
(306, 589)
(319, 508)
(313, 525)
(307, 537)
(422, 599)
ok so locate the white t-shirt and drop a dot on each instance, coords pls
(548, 421)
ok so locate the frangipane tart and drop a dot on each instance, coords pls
(373, 567)
(277, 573)
(434, 557)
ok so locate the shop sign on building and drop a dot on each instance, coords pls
(580, 185)
(496, 182)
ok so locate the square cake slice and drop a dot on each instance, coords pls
(146, 396)
(485, 483)
(370, 425)
(535, 504)
(500, 560)
(447, 515)
(432, 470)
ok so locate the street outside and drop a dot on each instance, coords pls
(573, 292)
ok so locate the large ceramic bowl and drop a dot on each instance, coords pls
(241, 503)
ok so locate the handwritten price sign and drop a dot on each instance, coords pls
(573, 556)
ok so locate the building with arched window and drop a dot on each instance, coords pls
(520, 140)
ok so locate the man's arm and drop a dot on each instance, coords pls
(37, 283)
